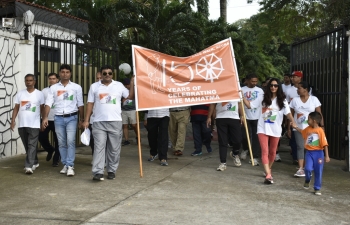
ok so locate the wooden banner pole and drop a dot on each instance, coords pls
(247, 134)
(139, 142)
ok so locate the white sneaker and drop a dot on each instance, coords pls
(28, 170)
(35, 166)
(300, 173)
(278, 158)
(64, 170)
(221, 167)
(256, 162)
(243, 155)
(70, 171)
(236, 159)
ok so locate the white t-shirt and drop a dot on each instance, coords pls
(157, 113)
(285, 88)
(51, 116)
(107, 100)
(255, 96)
(29, 108)
(227, 110)
(302, 110)
(271, 119)
(66, 99)
(291, 93)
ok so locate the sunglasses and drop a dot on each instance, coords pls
(274, 85)
(109, 73)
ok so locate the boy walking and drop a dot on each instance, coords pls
(28, 105)
(315, 144)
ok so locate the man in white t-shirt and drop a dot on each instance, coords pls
(105, 98)
(67, 97)
(255, 96)
(286, 83)
(28, 106)
(44, 134)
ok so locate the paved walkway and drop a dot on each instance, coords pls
(188, 191)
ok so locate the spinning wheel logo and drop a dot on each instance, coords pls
(209, 67)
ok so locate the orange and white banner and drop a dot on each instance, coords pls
(164, 81)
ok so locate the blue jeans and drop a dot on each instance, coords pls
(201, 135)
(66, 128)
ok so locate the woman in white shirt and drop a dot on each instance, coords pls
(274, 106)
(301, 107)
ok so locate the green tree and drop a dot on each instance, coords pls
(292, 20)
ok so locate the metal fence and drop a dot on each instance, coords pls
(85, 60)
(323, 60)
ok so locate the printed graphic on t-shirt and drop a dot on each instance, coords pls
(269, 115)
(230, 108)
(53, 106)
(106, 98)
(64, 95)
(301, 118)
(28, 106)
(313, 139)
(127, 102)
(251, 96)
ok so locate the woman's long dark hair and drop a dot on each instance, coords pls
(267, 101)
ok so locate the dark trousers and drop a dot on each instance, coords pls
(29, 137)
(293, 146)
(231, 127)
(158, 136)
(44, 140)
(201, 135)
(254, 140)
(92, 142)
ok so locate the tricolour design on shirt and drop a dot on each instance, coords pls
(28, 106)
(313, 139)
(301, 118)
(269, 115)
(106, 98)
(127, 102)
(230, 108)
(65, 95)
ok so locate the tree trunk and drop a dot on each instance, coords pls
(223, 10)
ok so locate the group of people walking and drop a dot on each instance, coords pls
(266, 111)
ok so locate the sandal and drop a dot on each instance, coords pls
(178, 153)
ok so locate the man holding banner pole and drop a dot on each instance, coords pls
(254, 95)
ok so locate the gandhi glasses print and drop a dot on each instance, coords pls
(109, 73)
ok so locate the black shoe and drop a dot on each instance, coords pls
(55, 164)
(98, 177)
(111, 176)
(126, 143)
(49, 156)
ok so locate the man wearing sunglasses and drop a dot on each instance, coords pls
(105, 98)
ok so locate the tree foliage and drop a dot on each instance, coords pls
(293, 20)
